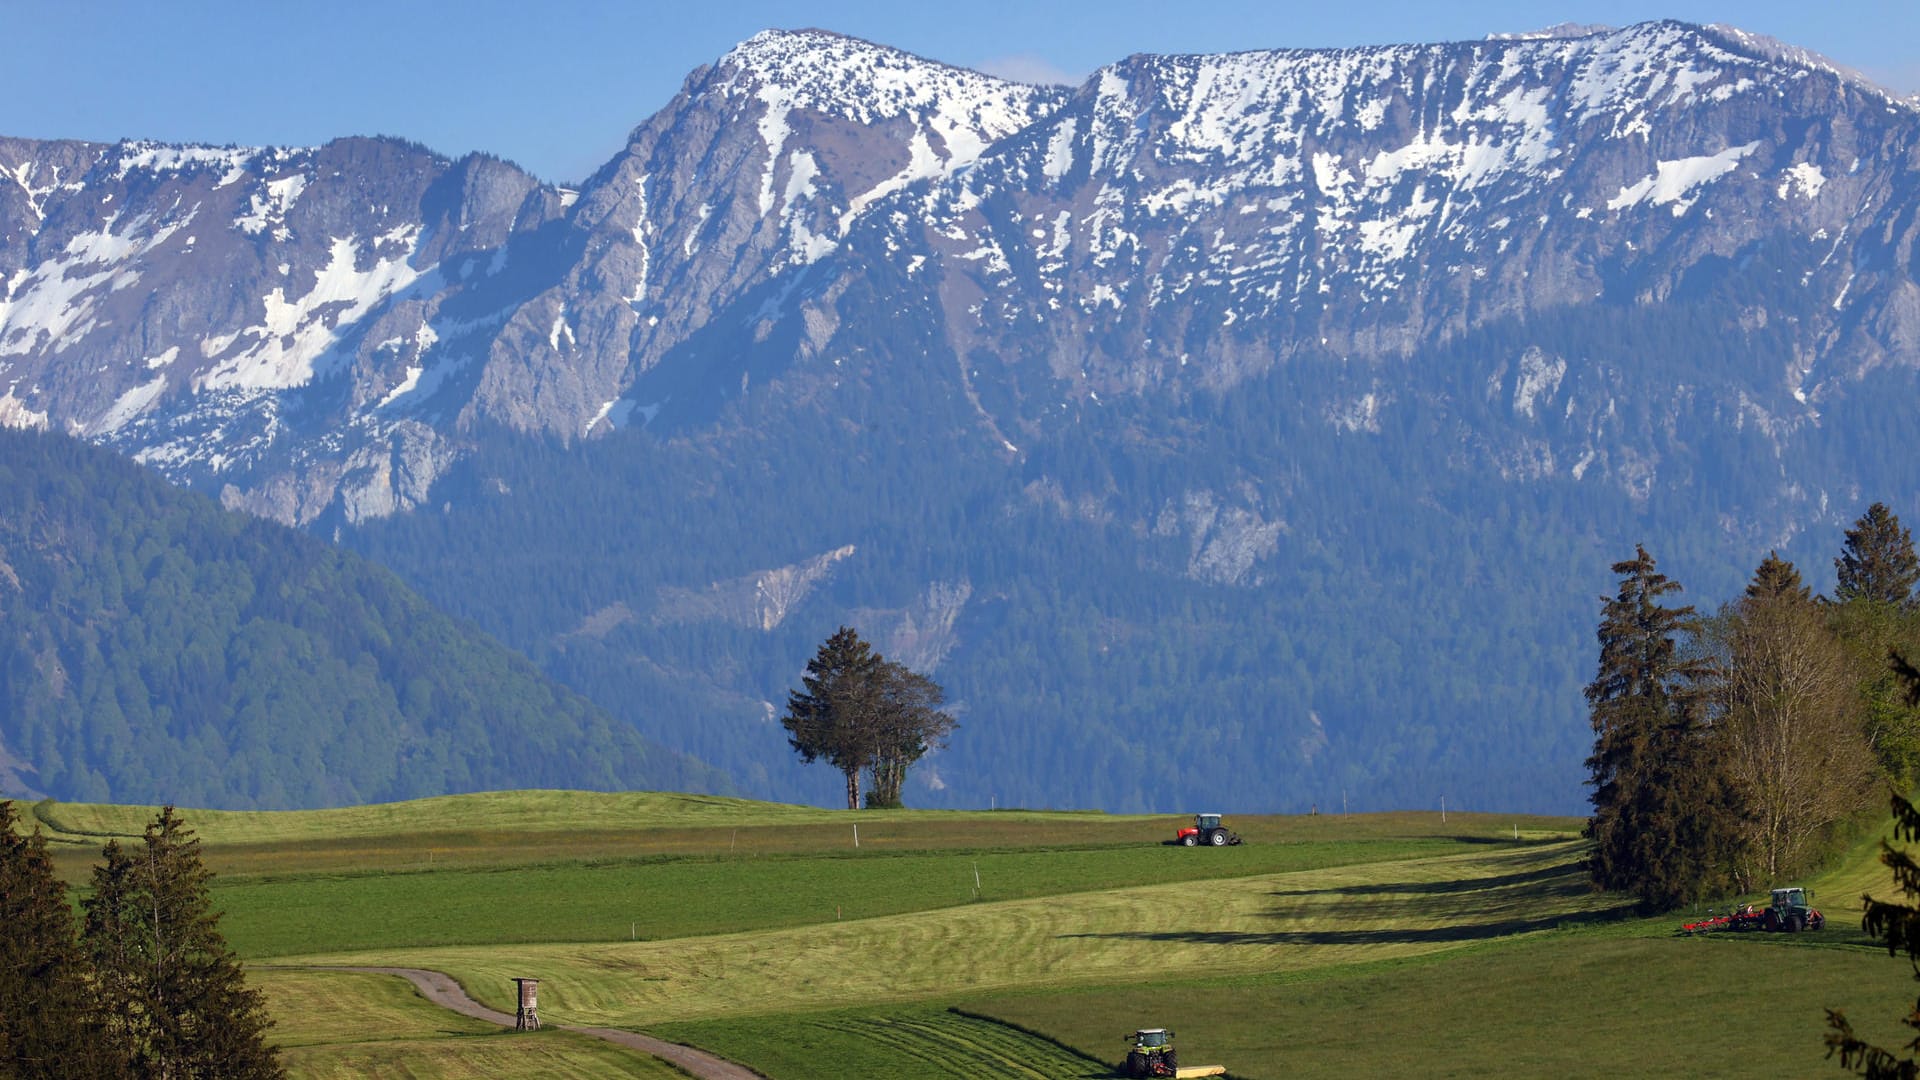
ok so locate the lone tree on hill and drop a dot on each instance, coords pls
(1664, 821)
(49, 1024)
(858, 712)
(174, 990)
(1877, 563)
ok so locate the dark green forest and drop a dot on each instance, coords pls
(156, 648)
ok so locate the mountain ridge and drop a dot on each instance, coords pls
(1096, 397)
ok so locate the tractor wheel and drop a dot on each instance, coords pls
(1136, 1064)
(1218, 838)
(1770, 921)
(1796, 923)
(1190, 840)
(1173, 1063)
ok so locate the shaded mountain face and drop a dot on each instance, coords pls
(1243, 383)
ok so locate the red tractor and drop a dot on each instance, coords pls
(1206, 829)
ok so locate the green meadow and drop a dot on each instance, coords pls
(1021, 943)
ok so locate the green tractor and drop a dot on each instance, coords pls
(1151, 1054)
(1792, 911)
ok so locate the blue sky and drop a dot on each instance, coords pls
(556, 84)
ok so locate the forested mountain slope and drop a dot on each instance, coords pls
(156, 648)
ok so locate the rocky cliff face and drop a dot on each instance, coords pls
(256, 319)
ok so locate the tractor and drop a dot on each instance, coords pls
(1151, 1054)
(1206, 829)
(1792, 911)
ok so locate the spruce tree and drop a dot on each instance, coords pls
(1877, 562)
(175, 990)
(49, 1025)
(1777, 578)
(828, 719)
(1665, 824)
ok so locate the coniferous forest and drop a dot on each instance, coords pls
(154, 648)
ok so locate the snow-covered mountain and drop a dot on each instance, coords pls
(1658, 269)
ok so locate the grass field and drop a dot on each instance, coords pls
(1285, 921)
(1380, 944)
(645, 898)
(1599, 1004)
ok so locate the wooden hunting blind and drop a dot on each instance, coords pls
(528, 1017)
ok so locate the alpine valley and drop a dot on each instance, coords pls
(1250, 430)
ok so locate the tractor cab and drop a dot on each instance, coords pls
(1206, 822)
(1794, 897)
(1151, 1038)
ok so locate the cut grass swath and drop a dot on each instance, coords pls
(903, 1044)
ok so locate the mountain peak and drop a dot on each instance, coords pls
(857, 80)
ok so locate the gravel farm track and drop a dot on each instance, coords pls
(440, 988)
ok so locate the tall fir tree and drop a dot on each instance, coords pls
(1877, 562)
(50, 1026)
(1777, 578)
(175, 991)
(1665, 821)
(827, 719)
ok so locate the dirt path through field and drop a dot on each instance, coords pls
(439, 988)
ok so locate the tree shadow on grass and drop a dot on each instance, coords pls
(1458, 932)
(1457, 885)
